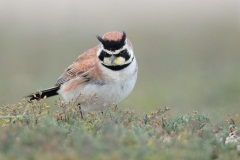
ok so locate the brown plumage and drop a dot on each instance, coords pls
(84, 68)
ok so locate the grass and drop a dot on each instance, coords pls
(37, 131)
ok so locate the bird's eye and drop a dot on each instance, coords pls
(124, 53)
(103, 54)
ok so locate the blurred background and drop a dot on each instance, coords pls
(188, 51)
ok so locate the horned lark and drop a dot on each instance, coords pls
(107, 72)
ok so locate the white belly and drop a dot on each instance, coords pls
(98, 96)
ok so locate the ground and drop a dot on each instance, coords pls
(39, 131)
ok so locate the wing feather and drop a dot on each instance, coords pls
(82, 67)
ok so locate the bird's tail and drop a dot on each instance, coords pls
(44, 93)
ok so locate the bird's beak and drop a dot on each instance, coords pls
(112, 58)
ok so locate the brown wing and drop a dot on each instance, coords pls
(83, 67)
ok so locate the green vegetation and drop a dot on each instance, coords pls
(38, 131)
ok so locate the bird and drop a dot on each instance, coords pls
(103, 75)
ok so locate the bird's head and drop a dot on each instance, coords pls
(115, 50)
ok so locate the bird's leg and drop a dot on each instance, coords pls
(116, 107)
(80, 111)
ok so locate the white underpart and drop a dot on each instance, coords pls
(93, 96)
